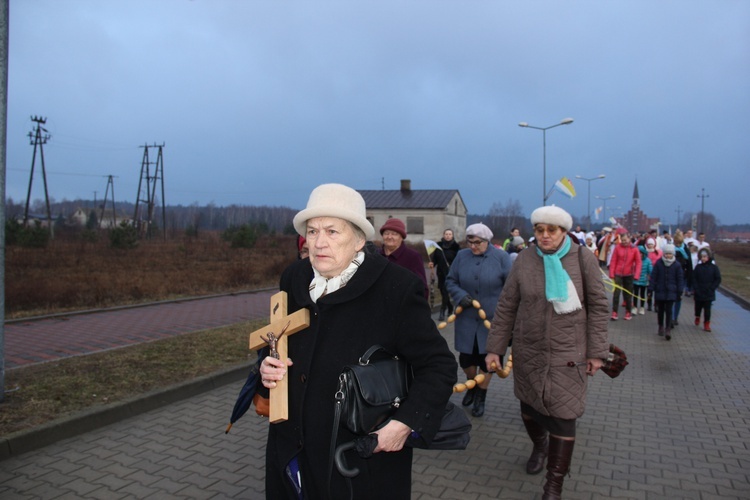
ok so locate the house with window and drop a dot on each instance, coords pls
(426, 212)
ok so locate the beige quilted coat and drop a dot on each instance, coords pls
(544, 343)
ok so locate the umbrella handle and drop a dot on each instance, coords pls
(341, 464)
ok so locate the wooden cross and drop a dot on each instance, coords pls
(278, 332)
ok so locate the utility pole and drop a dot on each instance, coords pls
(38, 141)
(703, 197)
(3, 143)
(110, 182)
(678, 215)
(146, 227)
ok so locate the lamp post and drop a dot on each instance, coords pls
(588, 202)
(565, 121)
(703, 197)
(604, 201)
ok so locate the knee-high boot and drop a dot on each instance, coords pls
(539, 437)
(479, 397)
(558, 464)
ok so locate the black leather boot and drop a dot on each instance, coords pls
(469, 397)
(479, 398)
(558, 464)
(441, 316)
(539, 437)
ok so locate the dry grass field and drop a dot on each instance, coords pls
(74, 275)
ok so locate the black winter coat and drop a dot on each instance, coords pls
(706, 279)
(382, 304)
(667, 282)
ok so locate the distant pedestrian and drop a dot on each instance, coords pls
(624, 266)
(667, 283)
(440, 262)
(682, 254)
(640, 285)
(706, 280)
(515, 247)
(395, 250)
(513, 233)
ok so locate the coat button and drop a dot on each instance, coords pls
(303, 378)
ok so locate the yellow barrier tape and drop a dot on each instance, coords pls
(610, 284)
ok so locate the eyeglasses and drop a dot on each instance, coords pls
(551, 230)
(475, 243)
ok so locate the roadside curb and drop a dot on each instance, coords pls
(23, 441)
(742, 301)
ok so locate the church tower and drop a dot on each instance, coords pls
(635, 220)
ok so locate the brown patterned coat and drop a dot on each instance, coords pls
(544, 343)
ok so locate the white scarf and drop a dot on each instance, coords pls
(320, 285)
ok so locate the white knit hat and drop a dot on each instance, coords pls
(480, 231)
(335, 200)
(552, 215)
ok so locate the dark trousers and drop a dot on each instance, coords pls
(664, 308)
(640, 293)
(445, 296)
(705, 306)
(626, 282)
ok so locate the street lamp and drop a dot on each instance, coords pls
(588, 202)
(604, 201)
(566, 121)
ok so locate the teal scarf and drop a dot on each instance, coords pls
(555, 277)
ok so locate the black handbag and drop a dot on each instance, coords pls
(371, 391)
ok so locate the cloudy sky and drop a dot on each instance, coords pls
(257, 102)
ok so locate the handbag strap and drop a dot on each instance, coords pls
(340, 396)
(583, 282)
(365, 358)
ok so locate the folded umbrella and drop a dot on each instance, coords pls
(616, 361)
(454, 434)
(247, 393)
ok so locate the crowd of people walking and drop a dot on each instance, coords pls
(543, 298)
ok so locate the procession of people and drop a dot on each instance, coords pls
(543, 299)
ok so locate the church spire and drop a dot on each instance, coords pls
(636, 198)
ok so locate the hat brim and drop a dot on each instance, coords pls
(300, 220)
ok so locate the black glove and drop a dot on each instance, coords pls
(466, 302)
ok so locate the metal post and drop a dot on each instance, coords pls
(703, 197)
(3, 137)
(566, 121)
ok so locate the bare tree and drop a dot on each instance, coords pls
(504, 217)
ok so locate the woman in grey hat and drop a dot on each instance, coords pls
(478, 273)
(356, 300)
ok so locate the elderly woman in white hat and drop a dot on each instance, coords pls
(356, 300)
(477, 273)
(555, 309)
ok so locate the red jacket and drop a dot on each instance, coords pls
(626, 261)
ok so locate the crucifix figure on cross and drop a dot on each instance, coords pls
(278, 344)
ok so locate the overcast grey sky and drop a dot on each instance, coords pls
(258, 102)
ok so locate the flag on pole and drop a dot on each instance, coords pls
(566, 187)
(598, 211)
(431, 246)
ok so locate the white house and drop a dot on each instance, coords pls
(426, 212)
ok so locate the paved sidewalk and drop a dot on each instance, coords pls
(59, 336)
(675, 424)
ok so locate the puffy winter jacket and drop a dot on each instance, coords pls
(544, 342)
(667, 282)
(626, 261)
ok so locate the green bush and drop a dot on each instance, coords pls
(124, 236)
(243, 236)
(30, 237)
